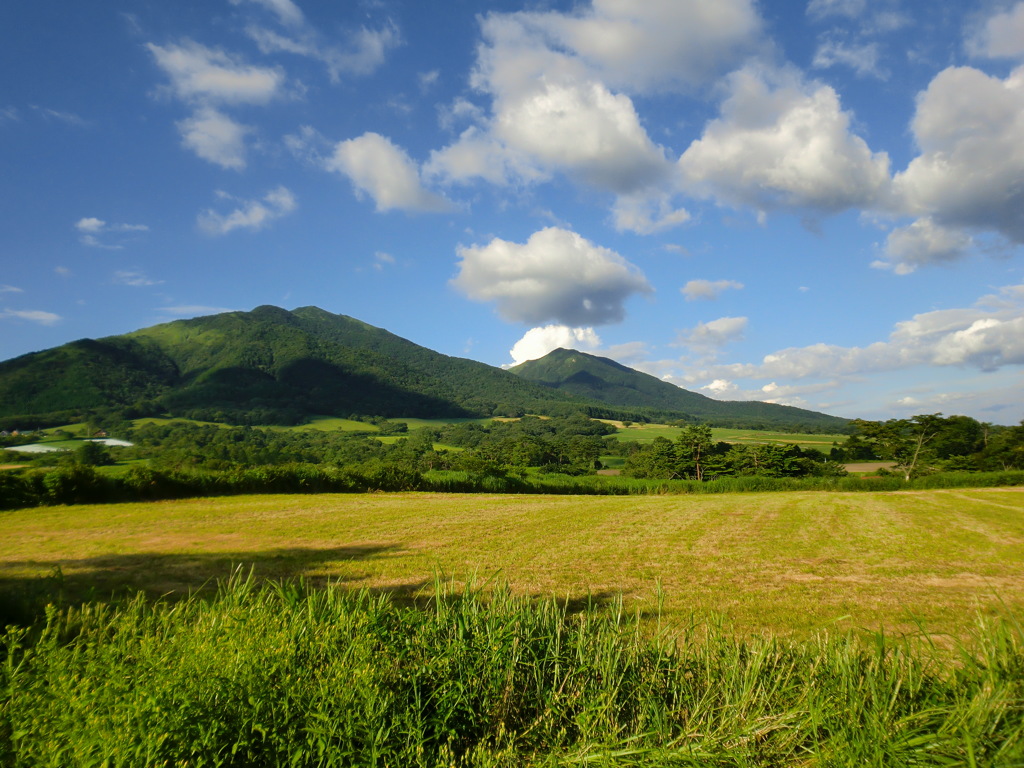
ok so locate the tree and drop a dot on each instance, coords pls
(693, 446)
(903, 441)
(93, 454)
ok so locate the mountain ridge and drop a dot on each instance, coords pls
(272, 365)
(614, 384)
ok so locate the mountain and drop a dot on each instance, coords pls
(604, 380)
(272, 365)
(264, 366)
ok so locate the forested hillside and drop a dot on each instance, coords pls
(272, 366)
(598, 378)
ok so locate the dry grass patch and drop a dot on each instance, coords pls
(786, 562)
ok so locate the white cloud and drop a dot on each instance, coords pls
(90, 227)
(968, 126)
(1001, 36)
(708, 289)
(585, 130)
(559, 84)
(862, 58)
(10, 289)
(378, 168)
(923, 242)
(537, 342)
(134, 279)
(647, 214)
(9, 115)
(286, 11)
(215, 137)
(720, 387)
(555, 276)
(365, 50)
(253, 215)
(711, 336)
(650, 45)
(820, 9)
(783, 143)
(94, 226)
(90, 224)
(68, 118)
(32, 315)
(382, 260)
(428, 80)
(206, 75)
(978, 337)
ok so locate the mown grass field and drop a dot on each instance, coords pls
(646, 433)
(789, 563)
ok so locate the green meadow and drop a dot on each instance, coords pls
(646, 433)
(796, 630)
(791, 563)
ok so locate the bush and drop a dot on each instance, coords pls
(75, 484)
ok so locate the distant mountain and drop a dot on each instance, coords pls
(271, 365)
(264, 366)
(598, 378)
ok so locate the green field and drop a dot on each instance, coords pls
(785, 562)
(646, 433)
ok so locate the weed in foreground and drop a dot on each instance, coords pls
(285, 675)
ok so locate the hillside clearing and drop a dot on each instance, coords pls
(785, 562)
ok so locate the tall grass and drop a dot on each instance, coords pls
(281, 675)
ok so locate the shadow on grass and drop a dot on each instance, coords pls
(172, 576)
(112, 578)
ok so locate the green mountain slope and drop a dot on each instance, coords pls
(272, 365)
(598, 378)
(262, 366)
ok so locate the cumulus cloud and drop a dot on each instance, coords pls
(201, 74)
(987, 337)
(1001, 36)
(708, 289)
(647, 214)
(922, 242)
(560, 83)
(712, 336)
(783, 143)
(210, 79)
(860, 57)
(537, 342)
(772, 392)
(253, 215)
(557, 275)
(968, 175)
(652, 45)
(378, 168)
(215, 137)
(90, 224)
(585, 130)
(32, 315)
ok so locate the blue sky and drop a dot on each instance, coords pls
(819, 204)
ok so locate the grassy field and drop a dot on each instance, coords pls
(791, 563)
(645, 433)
